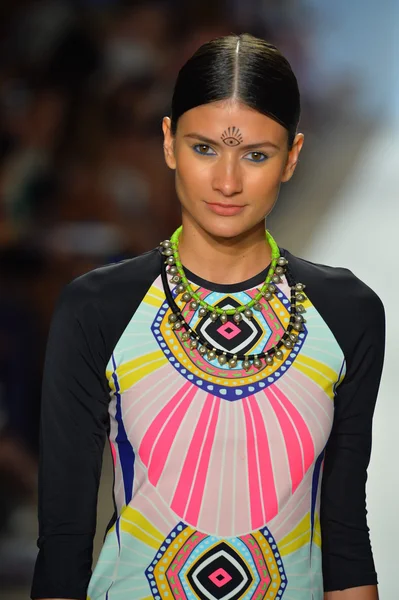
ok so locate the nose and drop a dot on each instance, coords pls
(227, 177)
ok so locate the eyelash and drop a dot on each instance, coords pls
(264, 156)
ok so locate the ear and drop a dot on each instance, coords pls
(293, 157)
(168, 143)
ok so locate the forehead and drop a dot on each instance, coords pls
(214, 118)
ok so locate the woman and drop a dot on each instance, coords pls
(236, 382)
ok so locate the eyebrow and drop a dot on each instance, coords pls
(207, 140)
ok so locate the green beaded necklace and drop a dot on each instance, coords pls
(267, 287)
(278, 267)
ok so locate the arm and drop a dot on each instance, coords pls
(348, 566)
(366, 592)
(74, 420)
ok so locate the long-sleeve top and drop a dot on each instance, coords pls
(228, 483)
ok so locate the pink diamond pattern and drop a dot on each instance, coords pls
(229, 330)
(220, 577)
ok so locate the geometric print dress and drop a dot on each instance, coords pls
(228, 484)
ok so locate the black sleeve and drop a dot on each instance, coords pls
(346, 548)
(74, 418)
(90, 317)
(356, 317)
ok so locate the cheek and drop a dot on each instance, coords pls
(191, 175)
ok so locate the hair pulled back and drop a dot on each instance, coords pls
(243, 68)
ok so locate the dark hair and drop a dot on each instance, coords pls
(242, 67)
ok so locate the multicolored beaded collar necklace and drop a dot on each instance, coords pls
(182, 291)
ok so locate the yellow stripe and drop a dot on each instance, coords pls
(154, 291)
(317, 531)
(134, 370)
(133, 522)
(320, 373)
(153, 300)
(297, 538)
(326, 371)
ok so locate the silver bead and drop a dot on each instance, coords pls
(269, 360)
(178, 325)
(299, 318)
(246, 364)
(287, 343)
(268, 296)
(176, 279)
(166, 244)
(224, 318)
(202, 312)
(222, 360)
(279, 354)
(194, 305)
(172, 318)
(300, 287)
(300, 309)
(193, 344)
(258, 306)
(300, 297)
(279, 270)
(168, 252)
(272, 288)
(211, 355)
(170, 260)
(233, 362)
(248, 313)
(282, 261)
(214, 316)
(186, 297)
(276, 279)
(172, 270)
(180, 288)
(185, 336)
(237, 317)
(257, 363)
(293, 337)
(202, 350)
(298, 326)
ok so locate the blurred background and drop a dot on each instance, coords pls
(84, 85)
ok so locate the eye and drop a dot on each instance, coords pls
(230, 141)
(203, 149)
(257, 157)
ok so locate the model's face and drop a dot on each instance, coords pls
(230, 161)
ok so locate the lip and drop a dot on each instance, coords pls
(226, 210)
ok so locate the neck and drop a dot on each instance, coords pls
(220, 260)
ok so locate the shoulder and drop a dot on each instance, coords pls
(336, 285)
(126, 279)
(100, 303)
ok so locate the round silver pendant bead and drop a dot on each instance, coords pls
(222, 360)
(257, 363)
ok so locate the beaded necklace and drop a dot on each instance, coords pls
(195, 341)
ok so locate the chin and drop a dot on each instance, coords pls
(226, 227)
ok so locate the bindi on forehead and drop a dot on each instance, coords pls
(232, 136)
